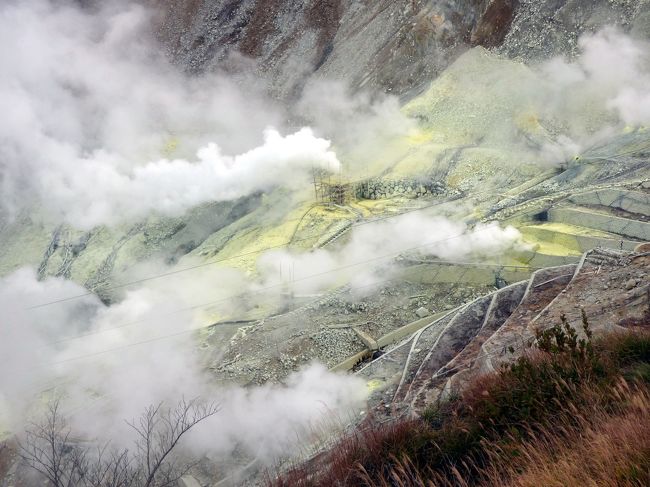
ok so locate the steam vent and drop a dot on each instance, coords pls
(329, 243)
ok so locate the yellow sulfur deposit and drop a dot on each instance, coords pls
(170, 147)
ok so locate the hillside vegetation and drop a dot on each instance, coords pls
(574, 410)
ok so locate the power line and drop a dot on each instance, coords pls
(253, 252)
(268, 288)
(204, 305)
(224, 259)
(320, 274)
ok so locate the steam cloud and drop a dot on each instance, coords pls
(364, 127)
(99, 128)
(104, 388)
(95, 192)
(88, 102)
(374, 243)
(606, 86)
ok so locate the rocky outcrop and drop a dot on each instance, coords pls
(547, 28)
(375, 189)
(97, 257)
(382, 45)
(610, 286)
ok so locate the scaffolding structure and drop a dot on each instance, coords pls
(332, 188)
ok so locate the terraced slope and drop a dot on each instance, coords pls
(611, 285)
(589, 219)
(595, 228)
(343, 330)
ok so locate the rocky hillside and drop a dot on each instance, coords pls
(395, 47)
(610, 286)
(479, 137)
(471, 120)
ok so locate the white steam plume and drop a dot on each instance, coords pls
(103, 389)
(367, 129)
(373, 244)
(606, 87)
(95, 192)
(88, 100)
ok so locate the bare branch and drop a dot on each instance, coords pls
(175, 423)
(49, 450)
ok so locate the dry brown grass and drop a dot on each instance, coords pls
(597, 446)
(600, 448)
(577, 415)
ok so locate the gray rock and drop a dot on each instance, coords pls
(630, 284)
(422, 312)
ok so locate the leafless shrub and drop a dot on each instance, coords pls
(49, 449)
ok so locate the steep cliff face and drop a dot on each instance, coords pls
(380, 45)
(393, 46)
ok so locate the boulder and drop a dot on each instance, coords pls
(422, 312)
